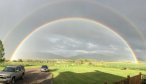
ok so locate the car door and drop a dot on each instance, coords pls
(18, 72)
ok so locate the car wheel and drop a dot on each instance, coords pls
(13, 81)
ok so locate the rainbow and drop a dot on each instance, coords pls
(93, 2)
(75, 18)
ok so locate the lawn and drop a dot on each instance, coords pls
(83, 74)
(87, 72)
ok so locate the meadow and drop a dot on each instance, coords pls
(85, 71)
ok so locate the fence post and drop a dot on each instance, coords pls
(128, 79)
(140, 75)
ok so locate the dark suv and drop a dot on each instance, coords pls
(11, 73)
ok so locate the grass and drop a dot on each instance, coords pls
(86, 72)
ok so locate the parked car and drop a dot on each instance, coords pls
(11, 73)
(44, 68)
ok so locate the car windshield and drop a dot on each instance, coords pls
(44, 67)
(9, 69)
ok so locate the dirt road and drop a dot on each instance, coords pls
(34, 76)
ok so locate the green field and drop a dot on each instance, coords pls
(68, 72)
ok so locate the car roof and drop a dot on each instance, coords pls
(13, 66)
(44, 65)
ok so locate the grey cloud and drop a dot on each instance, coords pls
(13, 12)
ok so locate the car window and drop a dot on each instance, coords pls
(22, 67)
(18, 68)
(9, 69)
(44, 67)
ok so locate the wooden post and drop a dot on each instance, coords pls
(140, 75)
(128, 79)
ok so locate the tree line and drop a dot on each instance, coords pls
(2, 52)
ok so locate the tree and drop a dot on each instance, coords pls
(20, 60)
(2, 53)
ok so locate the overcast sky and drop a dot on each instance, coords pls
(126, 17)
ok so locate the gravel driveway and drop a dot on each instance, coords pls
(35, 76)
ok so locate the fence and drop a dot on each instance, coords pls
(130, 80)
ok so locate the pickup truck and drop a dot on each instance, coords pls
(11, 73)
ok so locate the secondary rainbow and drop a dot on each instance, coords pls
(93, 2)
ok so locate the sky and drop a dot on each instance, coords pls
(18, 18)
(74, 38)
